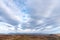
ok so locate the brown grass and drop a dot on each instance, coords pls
(29, 37)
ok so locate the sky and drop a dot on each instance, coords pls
(30, 16)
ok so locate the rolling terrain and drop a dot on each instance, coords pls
(30, 37)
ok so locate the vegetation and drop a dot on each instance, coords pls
(29, 37)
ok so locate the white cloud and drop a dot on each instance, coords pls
(51, 7)
(40, 21)
(6, 28)
(2, 18)
(20, 30)
(41, 7)
(15, 14)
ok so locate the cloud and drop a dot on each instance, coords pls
(2, 18)
(6, 28)
(14, 12)
(35, 14)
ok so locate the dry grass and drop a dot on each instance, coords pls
(29, 37)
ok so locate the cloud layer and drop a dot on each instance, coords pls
(29, 16)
